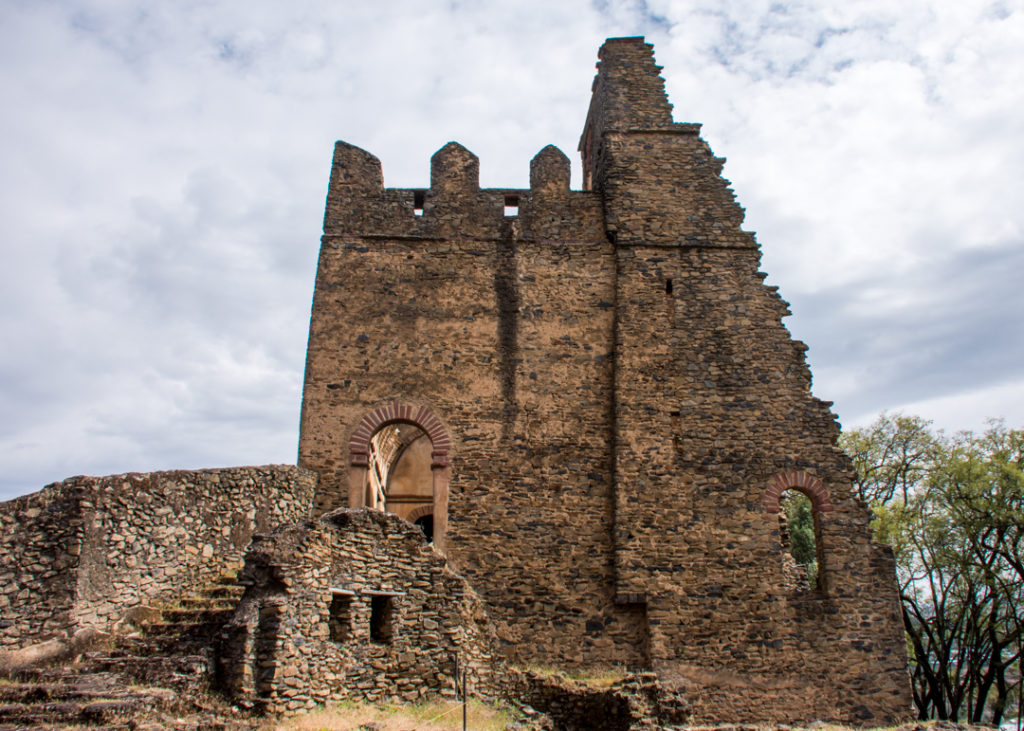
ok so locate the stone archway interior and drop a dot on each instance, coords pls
(399, 478)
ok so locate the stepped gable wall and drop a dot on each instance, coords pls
(81, 552)
(354, 604)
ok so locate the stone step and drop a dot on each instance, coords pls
(210, 602)
(78, 672)
(43, 692)
(29, 705)
(170, 632)
(187, 672)
(222, 590)
(197, 614)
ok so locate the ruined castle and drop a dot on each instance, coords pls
(587, 402)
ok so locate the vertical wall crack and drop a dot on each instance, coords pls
(506, 290)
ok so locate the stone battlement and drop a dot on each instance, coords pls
(358, 204)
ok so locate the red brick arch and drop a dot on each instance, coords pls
(420, 512)
(441, 444)
(421, 416)
(806, 483)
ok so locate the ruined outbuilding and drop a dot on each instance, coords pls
(613, 409)
(355, 603)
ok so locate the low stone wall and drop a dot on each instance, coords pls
(40, 545)
(81, 552)
(355, 604)
(636, 701)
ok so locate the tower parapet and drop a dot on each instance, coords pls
(454, 204)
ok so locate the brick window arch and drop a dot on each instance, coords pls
(420, 512)
(799, 480)
(421, 416)
(427, 421)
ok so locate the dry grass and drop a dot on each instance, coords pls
(596, 677)
(435, 715)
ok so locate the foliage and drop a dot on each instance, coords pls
(952, 508)
(800, 523)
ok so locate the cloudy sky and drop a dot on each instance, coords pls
(163, 168)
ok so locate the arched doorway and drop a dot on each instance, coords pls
(391, 452)
(399, 478)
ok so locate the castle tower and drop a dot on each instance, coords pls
(592, 397)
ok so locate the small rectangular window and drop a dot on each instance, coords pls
(381, 611)
(511, 205)
(419, 198)
(339, 620)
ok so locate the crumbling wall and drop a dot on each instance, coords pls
(714, 419)
(40, 545)
(624, 405)
(81, 552)
(354, 604)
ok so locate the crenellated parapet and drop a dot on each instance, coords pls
(455, 206)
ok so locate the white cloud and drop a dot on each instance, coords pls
(165, 167)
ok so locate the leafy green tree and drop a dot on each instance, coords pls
(800, 525)
(953, 510)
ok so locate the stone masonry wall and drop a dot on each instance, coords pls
(40, 545)
(621, 405)
(506, 324)
(306, 630)
(713, 415)
(83, 551)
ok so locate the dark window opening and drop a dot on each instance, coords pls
(419, 198)
(511, 205)
(670, 303)
(426, 524)
(339, 620)
(381, 609)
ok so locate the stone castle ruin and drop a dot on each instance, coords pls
(539, 426)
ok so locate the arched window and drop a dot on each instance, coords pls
(799, 499)
(798, 534)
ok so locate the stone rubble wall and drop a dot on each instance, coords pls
(507, 326)
(636, 701)
(281, 654)
(40, 546)
(81, 552)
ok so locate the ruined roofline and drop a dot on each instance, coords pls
(627, 96)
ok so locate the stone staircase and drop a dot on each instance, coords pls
(157, 674)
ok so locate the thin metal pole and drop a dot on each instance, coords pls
(464, 674)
